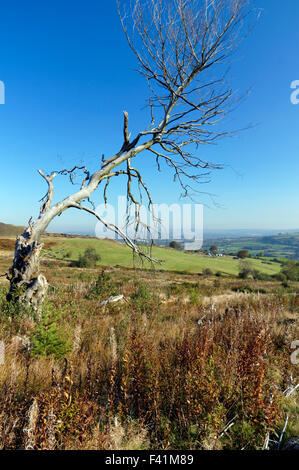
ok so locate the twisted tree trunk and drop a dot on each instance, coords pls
(26, 284)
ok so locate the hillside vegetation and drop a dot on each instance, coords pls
(186, 360)
(113, 253)
(183, 362)
(284, 245)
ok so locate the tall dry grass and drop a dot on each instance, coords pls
(148, 372)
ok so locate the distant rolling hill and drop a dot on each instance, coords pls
(7, 230)
(282, 245)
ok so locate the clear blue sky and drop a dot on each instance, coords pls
(69, 74)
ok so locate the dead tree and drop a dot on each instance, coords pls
(182, 47)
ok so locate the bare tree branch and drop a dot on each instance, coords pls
(181, 47)
(177, 43)
(119, 232)
(49, 196)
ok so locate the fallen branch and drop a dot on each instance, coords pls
(111, 299)
(290, 388)
(282, 432)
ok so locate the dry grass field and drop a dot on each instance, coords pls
(183, 361)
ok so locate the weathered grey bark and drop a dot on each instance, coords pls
(26, 284)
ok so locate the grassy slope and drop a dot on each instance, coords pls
(113, 253)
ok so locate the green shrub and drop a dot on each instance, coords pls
(207, 272)
(48, 339)
(261, 276)
(243, 254)
(88, 260)
(13, 308)
(280, 277)
(103, 287)
(291, 270)
(145, 301)
(142, 293)
(244, 289)
(194, 297)
(246, 269)
(175, 245)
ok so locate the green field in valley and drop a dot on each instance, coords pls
(115, 253)
(276, 246)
